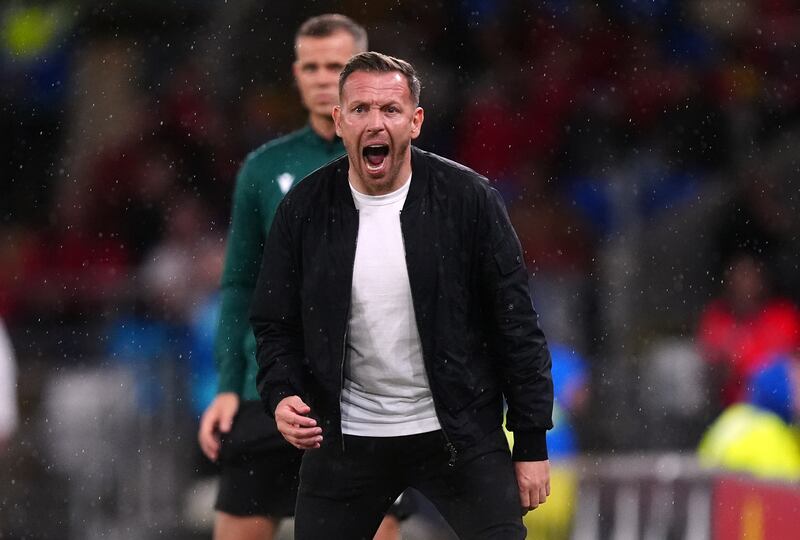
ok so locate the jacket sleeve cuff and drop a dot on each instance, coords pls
(231, 383)
(529, 446)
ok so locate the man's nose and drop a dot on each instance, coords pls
(374, 120)
(328, 77)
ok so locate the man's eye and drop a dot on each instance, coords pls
(391, 109)
(359, 109)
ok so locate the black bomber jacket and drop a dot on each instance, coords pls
(479, 332)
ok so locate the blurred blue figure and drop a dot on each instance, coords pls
(773, 390)
(687, 45)
(144, 343)
(656, 186)
(570, 384)
(202, 369)
(570, 391)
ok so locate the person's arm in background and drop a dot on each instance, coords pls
(242, 260)
(522, 351)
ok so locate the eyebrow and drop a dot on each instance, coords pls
(394, 102)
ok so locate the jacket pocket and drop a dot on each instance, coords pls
(508, 257)
(456, 385)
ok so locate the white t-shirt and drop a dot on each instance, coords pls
(386, 391)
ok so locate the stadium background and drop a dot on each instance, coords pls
(637, 144)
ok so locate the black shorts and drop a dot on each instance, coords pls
(258, 468)
(260, 471)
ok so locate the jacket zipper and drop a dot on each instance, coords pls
(341, 373)
(346, 331)
(449, 446)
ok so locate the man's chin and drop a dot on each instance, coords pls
(372, 182)
(375, 178)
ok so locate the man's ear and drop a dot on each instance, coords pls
(337, 117)
(416, 122)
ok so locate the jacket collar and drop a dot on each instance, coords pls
(419, 175)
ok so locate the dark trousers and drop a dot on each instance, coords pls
(344, 495)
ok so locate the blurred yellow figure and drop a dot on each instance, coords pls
(26, 32)
(760, 437)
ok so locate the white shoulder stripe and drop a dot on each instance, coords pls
(285, 182)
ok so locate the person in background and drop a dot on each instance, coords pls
(259, 470)
(743, 329)
(760, 436)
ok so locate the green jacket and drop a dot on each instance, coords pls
(263, 180)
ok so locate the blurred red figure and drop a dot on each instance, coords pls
(745, 328)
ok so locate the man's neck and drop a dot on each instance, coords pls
(381, 187)
(322, 127)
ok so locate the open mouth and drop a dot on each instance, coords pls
(375, 155)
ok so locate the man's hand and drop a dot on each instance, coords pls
(533, 480)
(301, 431)
(217, 419)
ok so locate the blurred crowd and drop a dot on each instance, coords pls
(647, 152)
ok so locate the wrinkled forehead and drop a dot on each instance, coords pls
(372, 85)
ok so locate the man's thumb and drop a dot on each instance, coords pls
(300, 406)
(225, 423)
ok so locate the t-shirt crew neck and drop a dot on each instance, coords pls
(381, 200)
